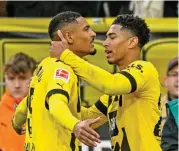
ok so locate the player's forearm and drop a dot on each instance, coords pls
(87, 113)
(92, 113)
(97, 77)
(61, 113)
(20, 114)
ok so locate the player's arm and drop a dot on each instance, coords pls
(20, 116)
(124, 82)
(57, 100)
(99, 109)
(60, 84)
(92, 113)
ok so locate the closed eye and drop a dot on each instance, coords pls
(111, 37)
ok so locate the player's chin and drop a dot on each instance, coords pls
(90, 50)
(18, 96)
(110, 61)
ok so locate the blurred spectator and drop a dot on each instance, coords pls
(144, 9)
(171, 82)
(18, 71)
(51, 8)
(114, 8)
(3, 8)
(170, 129)
(147, 8)
(154, 9)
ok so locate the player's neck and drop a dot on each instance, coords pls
(128, 60)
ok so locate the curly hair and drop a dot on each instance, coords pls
(60, 20)
(136, 25)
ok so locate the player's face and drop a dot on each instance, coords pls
(116, 44)
(171, 82)
(17, 84)
(83, 38)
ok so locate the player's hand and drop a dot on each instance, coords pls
(20, 131)
(86, 134)
(57, 47)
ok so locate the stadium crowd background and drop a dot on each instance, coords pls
(23, 28)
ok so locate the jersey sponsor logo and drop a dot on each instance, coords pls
(62, 74)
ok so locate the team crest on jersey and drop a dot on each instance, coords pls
(62, 74)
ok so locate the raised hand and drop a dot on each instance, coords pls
(57, 47)
(85, 133)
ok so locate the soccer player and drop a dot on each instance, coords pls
(54, 112)
(133, 101)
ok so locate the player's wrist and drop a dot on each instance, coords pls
(75, 126)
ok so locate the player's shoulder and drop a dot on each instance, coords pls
(44, 61)
(52, 64)
(60, 65)
(143, 63)
(144, 66)
(63, 72)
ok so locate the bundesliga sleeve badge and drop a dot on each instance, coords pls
(62, 74)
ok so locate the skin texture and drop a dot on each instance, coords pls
(120, 45)
(171, 82)
(17, 83)
(80, 37)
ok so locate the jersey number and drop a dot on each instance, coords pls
(29, 100)
(157, 129)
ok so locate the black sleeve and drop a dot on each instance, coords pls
(170, 135)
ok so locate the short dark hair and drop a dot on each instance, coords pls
(136, 25)
(60, 20)
(20, 63)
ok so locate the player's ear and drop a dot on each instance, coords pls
(68, 37)
(132, 42)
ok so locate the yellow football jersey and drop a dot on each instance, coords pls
(133, 105)
(52, 82)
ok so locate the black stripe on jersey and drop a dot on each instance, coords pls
(109, 100)
(131, 79)
(120, 101)
(57, 60)
(72, 142)
(55, 91)
(117, 147)
(101, 107)
(80, 148)
(125, 144)
(27, 101)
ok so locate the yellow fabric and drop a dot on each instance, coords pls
(57, 105)
(20, 114)
(91, 113)
(51, 97)
(94, 75)
(134, 117)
